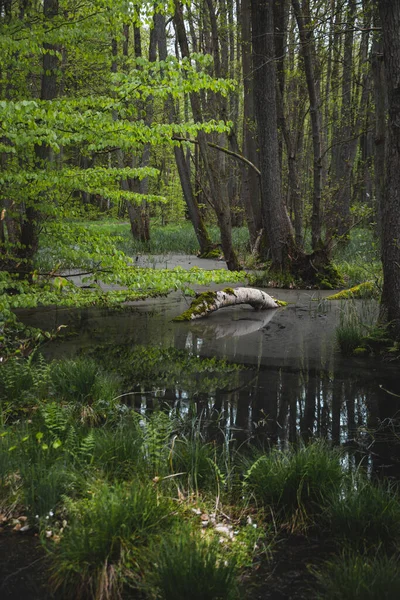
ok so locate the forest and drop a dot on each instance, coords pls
(149, 151)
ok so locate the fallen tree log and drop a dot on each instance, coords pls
(209, 302)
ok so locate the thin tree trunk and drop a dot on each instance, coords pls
(275, 218)
(219, 199)
(250, 181)
(390, 18)
(308, 49)
(29, 238)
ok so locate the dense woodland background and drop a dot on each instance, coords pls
(270, 114)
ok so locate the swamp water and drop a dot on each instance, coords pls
(281, 376)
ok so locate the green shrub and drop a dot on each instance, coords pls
(355, 577)
(191, 567)
(296, 484)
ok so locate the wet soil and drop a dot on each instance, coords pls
(289, 575)
(22, 567)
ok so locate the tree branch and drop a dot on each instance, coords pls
(226, 150)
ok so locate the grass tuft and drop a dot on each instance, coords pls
(365, 515)
(189, 566)
(295, 484)
(353, 576)
(96, 555)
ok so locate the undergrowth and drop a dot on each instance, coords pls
(125, 499)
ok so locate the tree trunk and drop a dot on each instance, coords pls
(380, 98)
(345, 144)
(182, 165)
(209, 302)
(218, 197)
(275, 218)
(390, 18)
(250, 180)
(29, 237)
(308, 49)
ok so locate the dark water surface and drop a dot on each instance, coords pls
(294, 382)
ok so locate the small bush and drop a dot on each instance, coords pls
(191, 567)
(296, 484)
(355, 577)
(365, 515)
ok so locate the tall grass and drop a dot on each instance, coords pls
(365, 515)
(100, 549)
(191, 567)
(355, 321)
(352, 576)
(296, 484)
(198, 461)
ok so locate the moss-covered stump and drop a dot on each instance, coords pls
(209, 302)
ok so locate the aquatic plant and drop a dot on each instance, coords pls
(22, 381)
(353, 576)
(355, 322)
(295, 484)
(364, 515)
(189, 566)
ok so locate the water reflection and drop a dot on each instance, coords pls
(293, 384)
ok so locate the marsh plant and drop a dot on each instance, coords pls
(191, 566)
(365, 514)
(356, 320)
(81, 380)
(102, 547)
(353, 576)
(295, 484)
(197, 460)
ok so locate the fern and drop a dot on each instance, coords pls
(55, 419)
(158, 432)
(86, 448)
(219, 476)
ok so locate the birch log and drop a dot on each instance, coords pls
(209, 302)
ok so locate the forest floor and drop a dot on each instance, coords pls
(288, 576)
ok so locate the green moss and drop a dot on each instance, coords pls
(360, 351)
(214, 253)
(198, 306)
(281, 302)
(329, 278)
(230, 291)
(367, 289)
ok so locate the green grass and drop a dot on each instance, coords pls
(359, 259)
(170, 239)
(295, 484)
(365, 515)
(99, 551)
(191, 567)
(352, 576)
(356, 320)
